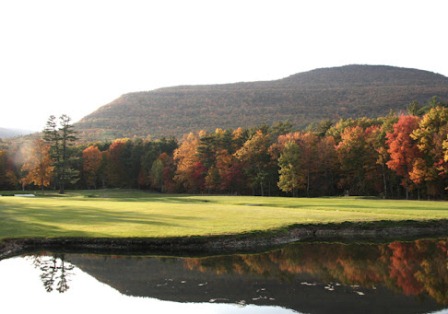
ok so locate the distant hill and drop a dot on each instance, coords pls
(8, 133)
(327, 93)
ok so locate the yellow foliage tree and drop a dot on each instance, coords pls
(38, 164)
(190, 172)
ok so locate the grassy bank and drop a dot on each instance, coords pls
(109, 213)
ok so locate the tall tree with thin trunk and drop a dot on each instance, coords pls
(61, 136)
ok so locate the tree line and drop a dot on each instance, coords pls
(395, 156)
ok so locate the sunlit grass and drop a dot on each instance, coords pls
(125, 213)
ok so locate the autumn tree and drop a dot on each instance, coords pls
(358, 160)
(190, 173)
(150, 151)
(378, 139)
(38, 164)
(92, 160)
(230, 172)
(215, 152)
(445, 149)
(328, 166)
(276, 148)
(298, 160)
(210, 143)
(255, 158)
(430, 135)
(169, 169)
(403, 150)
(239, 137)
(308, 147)
(162, 173)
(292, 173)
(337, 129)
(117, 175)
(61, 135)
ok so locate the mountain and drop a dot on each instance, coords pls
(303, 98)
(7, 133)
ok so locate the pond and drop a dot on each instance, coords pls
(396, 277)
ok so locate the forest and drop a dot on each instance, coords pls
(393, 156)
(331, 93)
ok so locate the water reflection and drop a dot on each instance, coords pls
(397, 277)
(55, 272)
(418, 268)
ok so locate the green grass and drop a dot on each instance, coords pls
(122, 213)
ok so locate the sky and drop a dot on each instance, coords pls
(21, 281)
(72, 57)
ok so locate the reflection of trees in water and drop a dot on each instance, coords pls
(413, 268)
(56, 272)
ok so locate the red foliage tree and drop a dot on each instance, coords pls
(116, 172)
(403, 149)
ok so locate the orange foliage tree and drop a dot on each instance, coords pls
(415, 268)
(38, 164)
(403, 149)
(91, 162)
(230, 171)
(190, 173)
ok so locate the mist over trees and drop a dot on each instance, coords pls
(394, 156)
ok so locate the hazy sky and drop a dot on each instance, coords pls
(59, 56)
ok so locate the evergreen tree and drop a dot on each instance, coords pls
(61, 136)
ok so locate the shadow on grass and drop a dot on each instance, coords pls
(22, 220)
(177, 199)
(15, 228)
(369, 204)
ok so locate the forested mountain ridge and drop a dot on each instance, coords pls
(303, 98)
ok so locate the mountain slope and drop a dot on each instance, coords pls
(328, 93)
(7, 133)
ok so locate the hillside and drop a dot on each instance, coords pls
(303, 98)
(8, 133)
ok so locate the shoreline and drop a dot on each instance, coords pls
(255, 241)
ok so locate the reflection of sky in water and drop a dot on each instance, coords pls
(21, 289)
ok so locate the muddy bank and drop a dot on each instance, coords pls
(238, 243)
